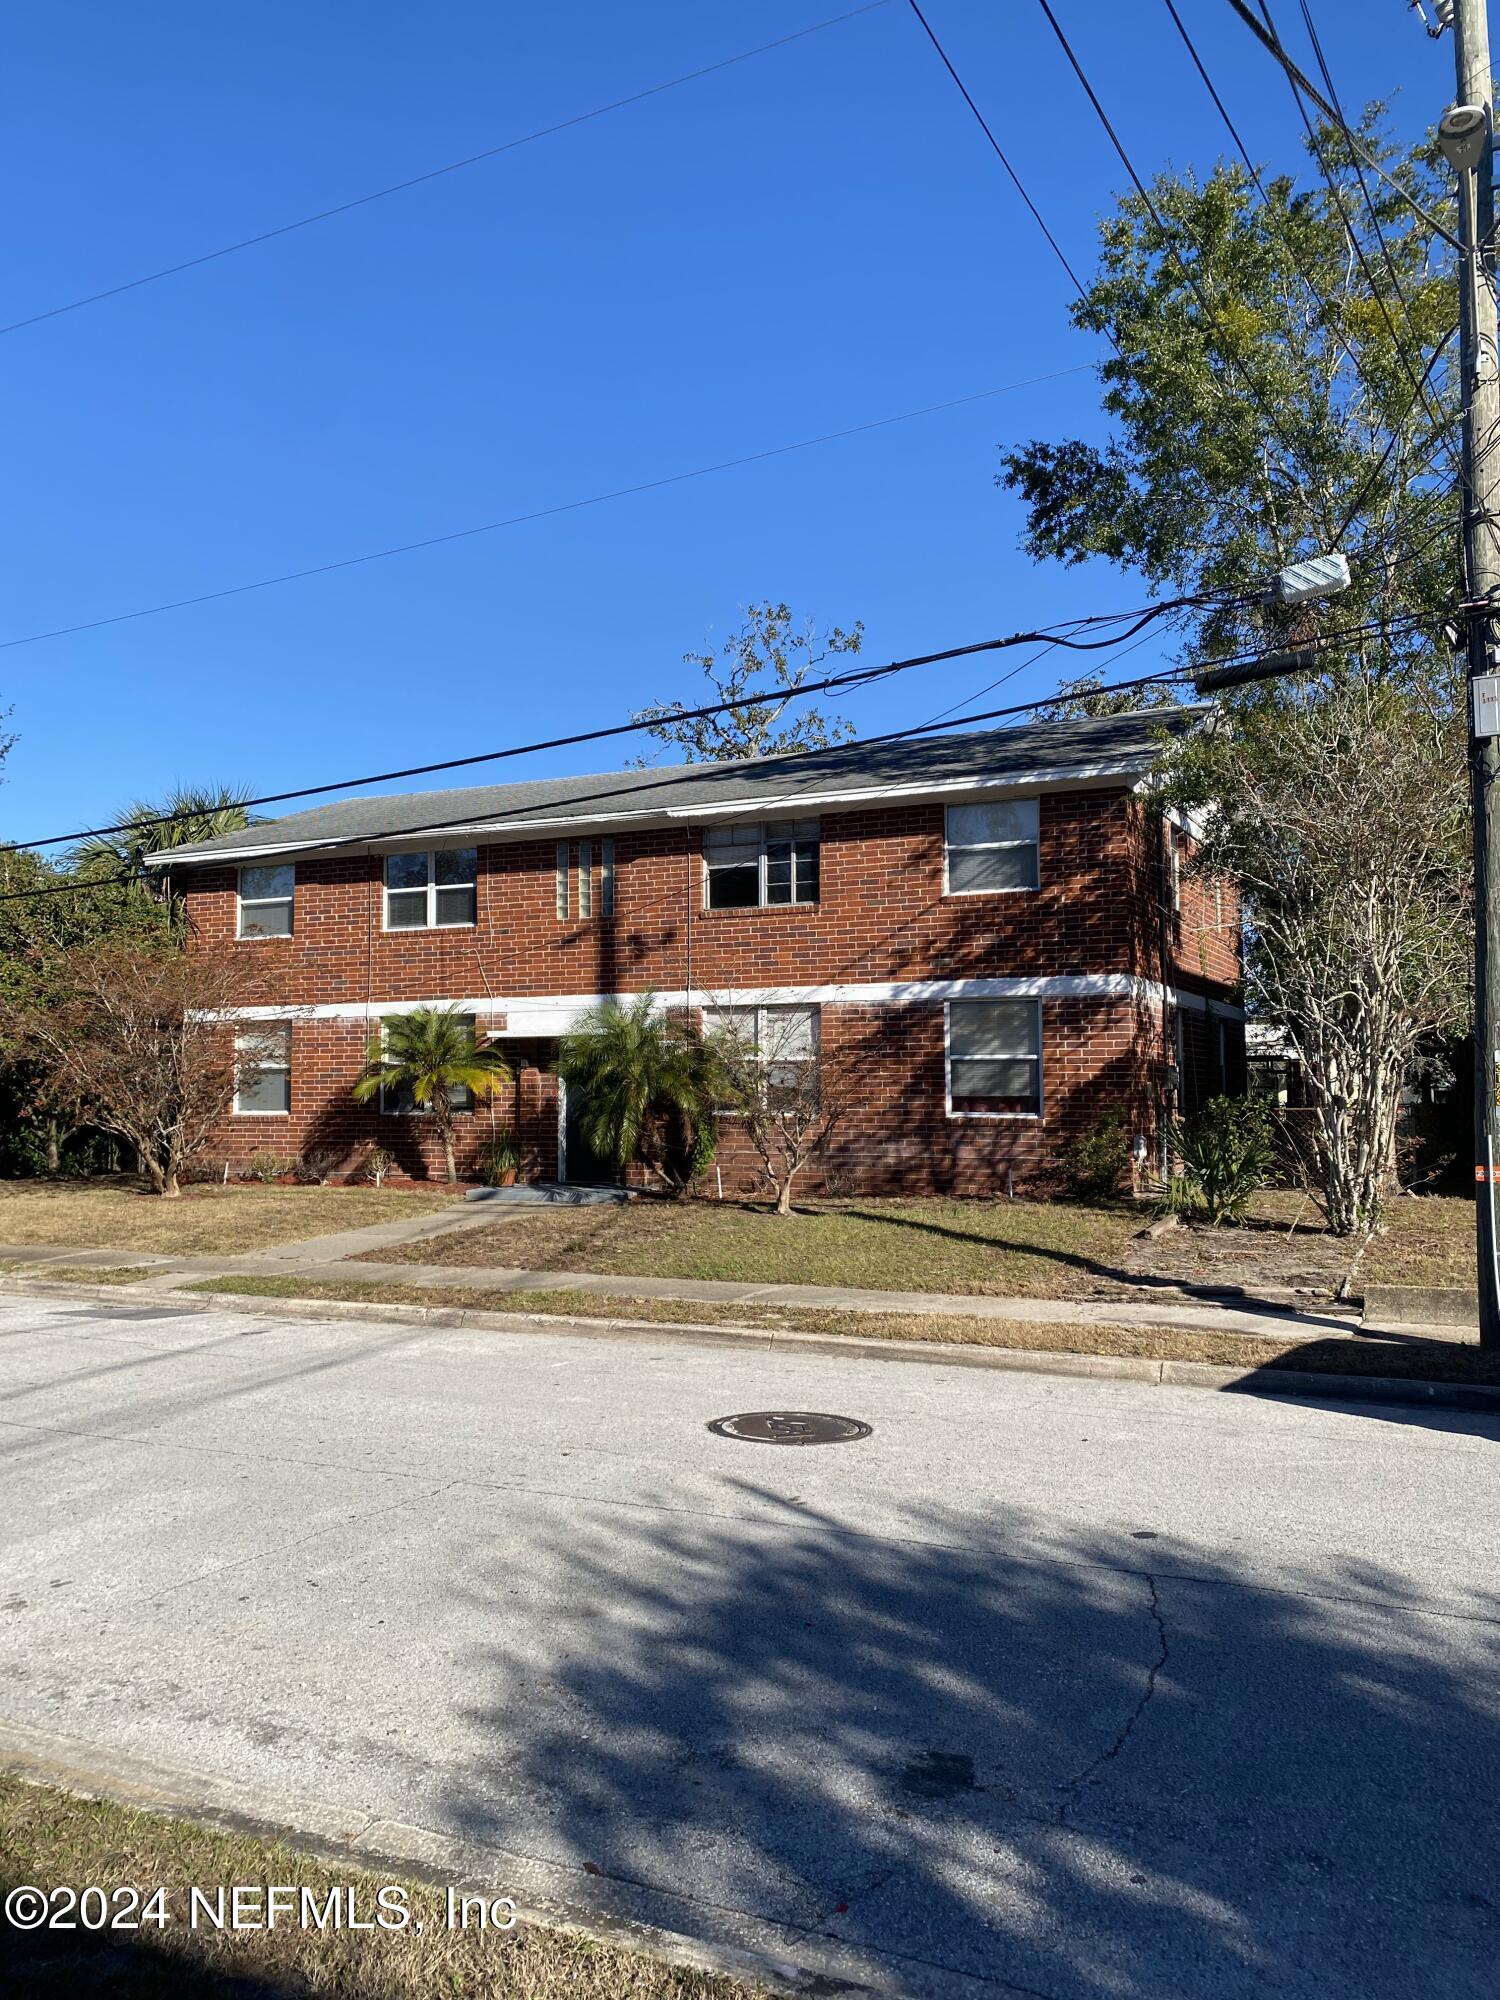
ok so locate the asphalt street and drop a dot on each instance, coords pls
(1082, 1689)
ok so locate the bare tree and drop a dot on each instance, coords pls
(761, 669)
(789, 1092)
(145, 1038)
(1344, 818)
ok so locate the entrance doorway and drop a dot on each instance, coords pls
(582, 1166)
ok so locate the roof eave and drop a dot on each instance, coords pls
(1072, 777)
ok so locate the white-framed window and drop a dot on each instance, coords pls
(994, 1058)
(749, 867)
(266, 897)
(268, 1092)
(785, 1038)
(398, 1102)
(606, 878)
(434, 891)
(992, 848)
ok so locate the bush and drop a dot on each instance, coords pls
(499, 1161)
(317, 1166)
(376, 1164)
(1226, 1153)
(269, 1168)
(1098, 1160)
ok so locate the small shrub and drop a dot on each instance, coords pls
(1098, 1160)
(318, 1165)
(376, 1164)
(499, 1160)
(1226, 1153)
(268, 1167)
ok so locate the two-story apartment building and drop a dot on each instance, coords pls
(997, 922)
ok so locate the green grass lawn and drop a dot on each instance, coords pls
(1035, 1249)
(228, 1221)
(49, 1839)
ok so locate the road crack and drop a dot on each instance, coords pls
(1091, 1770)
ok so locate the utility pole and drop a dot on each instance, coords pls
(1467, 136)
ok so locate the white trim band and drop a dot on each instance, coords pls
(556, 1013)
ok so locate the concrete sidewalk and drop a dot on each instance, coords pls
(333, 1257)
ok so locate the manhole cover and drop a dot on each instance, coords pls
(790, 1427)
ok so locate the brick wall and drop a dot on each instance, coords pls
(881, 915)
(1105, 907)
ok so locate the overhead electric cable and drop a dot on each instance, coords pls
(1330, 310)
(1063, 635)
(434, 173)
(1270, 42)
(1001, 155)
(536, 514)
(1368, 485)
(1352, 234)
(636, 787)
(1151, 209)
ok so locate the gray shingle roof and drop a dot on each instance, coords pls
(1122, 745)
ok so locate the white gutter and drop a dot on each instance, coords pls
(1054, 778)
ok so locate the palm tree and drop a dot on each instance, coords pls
(188, 814)
(430, 1053)
(647, 1085)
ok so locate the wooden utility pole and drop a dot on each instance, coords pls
(1468, 144)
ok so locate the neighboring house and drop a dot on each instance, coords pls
(996, 922)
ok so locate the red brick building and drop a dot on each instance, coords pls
(997, 923)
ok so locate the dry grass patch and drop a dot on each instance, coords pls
(49, 1838)
(1003, 1249)
(1410, 1359)
(230, 1221)
(1424, 1240)
(82, 1274)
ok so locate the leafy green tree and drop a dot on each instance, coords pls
(48, 913)
(1282, 381)
(430, 1056)
(648, 1086)
(759, 669)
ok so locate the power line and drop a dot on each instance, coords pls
(854, 677)
(1001, 156)
(1330, 310)
(1391, 443)
(536, 514)
(641, 787)
(1151, 209)
(638, 787)
(434, 173)
(1330, 181)
(1269, 41)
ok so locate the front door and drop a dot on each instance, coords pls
(582, 1166)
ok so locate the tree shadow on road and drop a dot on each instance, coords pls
(1102, 1767)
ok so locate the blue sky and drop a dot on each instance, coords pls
(807, 241)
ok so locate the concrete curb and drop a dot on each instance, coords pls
(1421, 1305)
(1286, 1383)
(548, 1894)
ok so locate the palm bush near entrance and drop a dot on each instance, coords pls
(647, 1085)
(430, 1055)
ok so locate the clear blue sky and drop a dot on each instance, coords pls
(806, 241)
